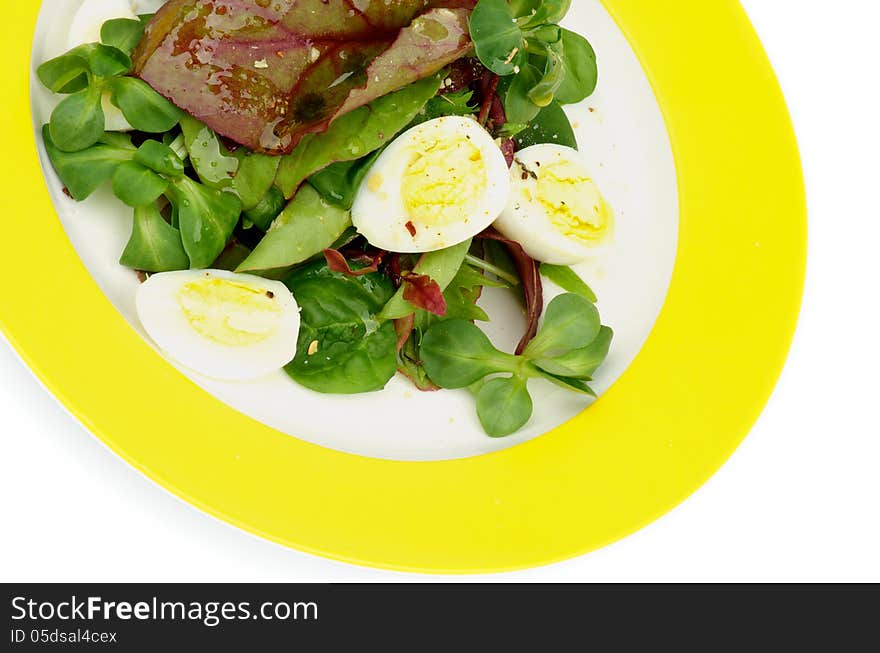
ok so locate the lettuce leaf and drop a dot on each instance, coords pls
(265, 76)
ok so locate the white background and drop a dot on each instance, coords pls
(799, 501)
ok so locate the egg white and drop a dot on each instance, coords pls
(162, 314)
(526, 220)
(380, 212)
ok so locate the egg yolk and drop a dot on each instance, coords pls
(228, 312)
(445, 182)
(573, 202)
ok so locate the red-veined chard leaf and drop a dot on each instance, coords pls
(266, 74)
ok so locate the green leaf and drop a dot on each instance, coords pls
(83, 171)
(580, 363)
(550, 126)
(67, 73)
(571, 322)
(78, 122)
(456, 354)
(269, 208)
(441, 266)
(255, 176)
(159, 157)
(566, 383)
(206, 218)
(518, 106)
(497, 38)
(122, 33)
(342, 347)
(307, 227)
(581, 71)
(355, 134)
(339, 182)
(553, 75)
(568, 280)
(154, 246)
(522, 8)
(215, 166)
(231, 257)
(137, 185)
(107, 61)
(549, 11)
(143, 108)
(458, 103)
(504, 406)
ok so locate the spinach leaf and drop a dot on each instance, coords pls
(343, 348)
(308, 226)
(568, 280)
(206, 217)
(355, 134)
(550, 126)
(504, 406)
(155, 246)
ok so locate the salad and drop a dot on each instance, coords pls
(329, 186)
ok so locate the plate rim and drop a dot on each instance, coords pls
(728, 321)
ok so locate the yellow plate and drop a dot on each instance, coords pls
(653, 439)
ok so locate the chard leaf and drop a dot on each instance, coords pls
(356, 134)
(155, 246)
(342, 348)
(267, 74)
(307, 227)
